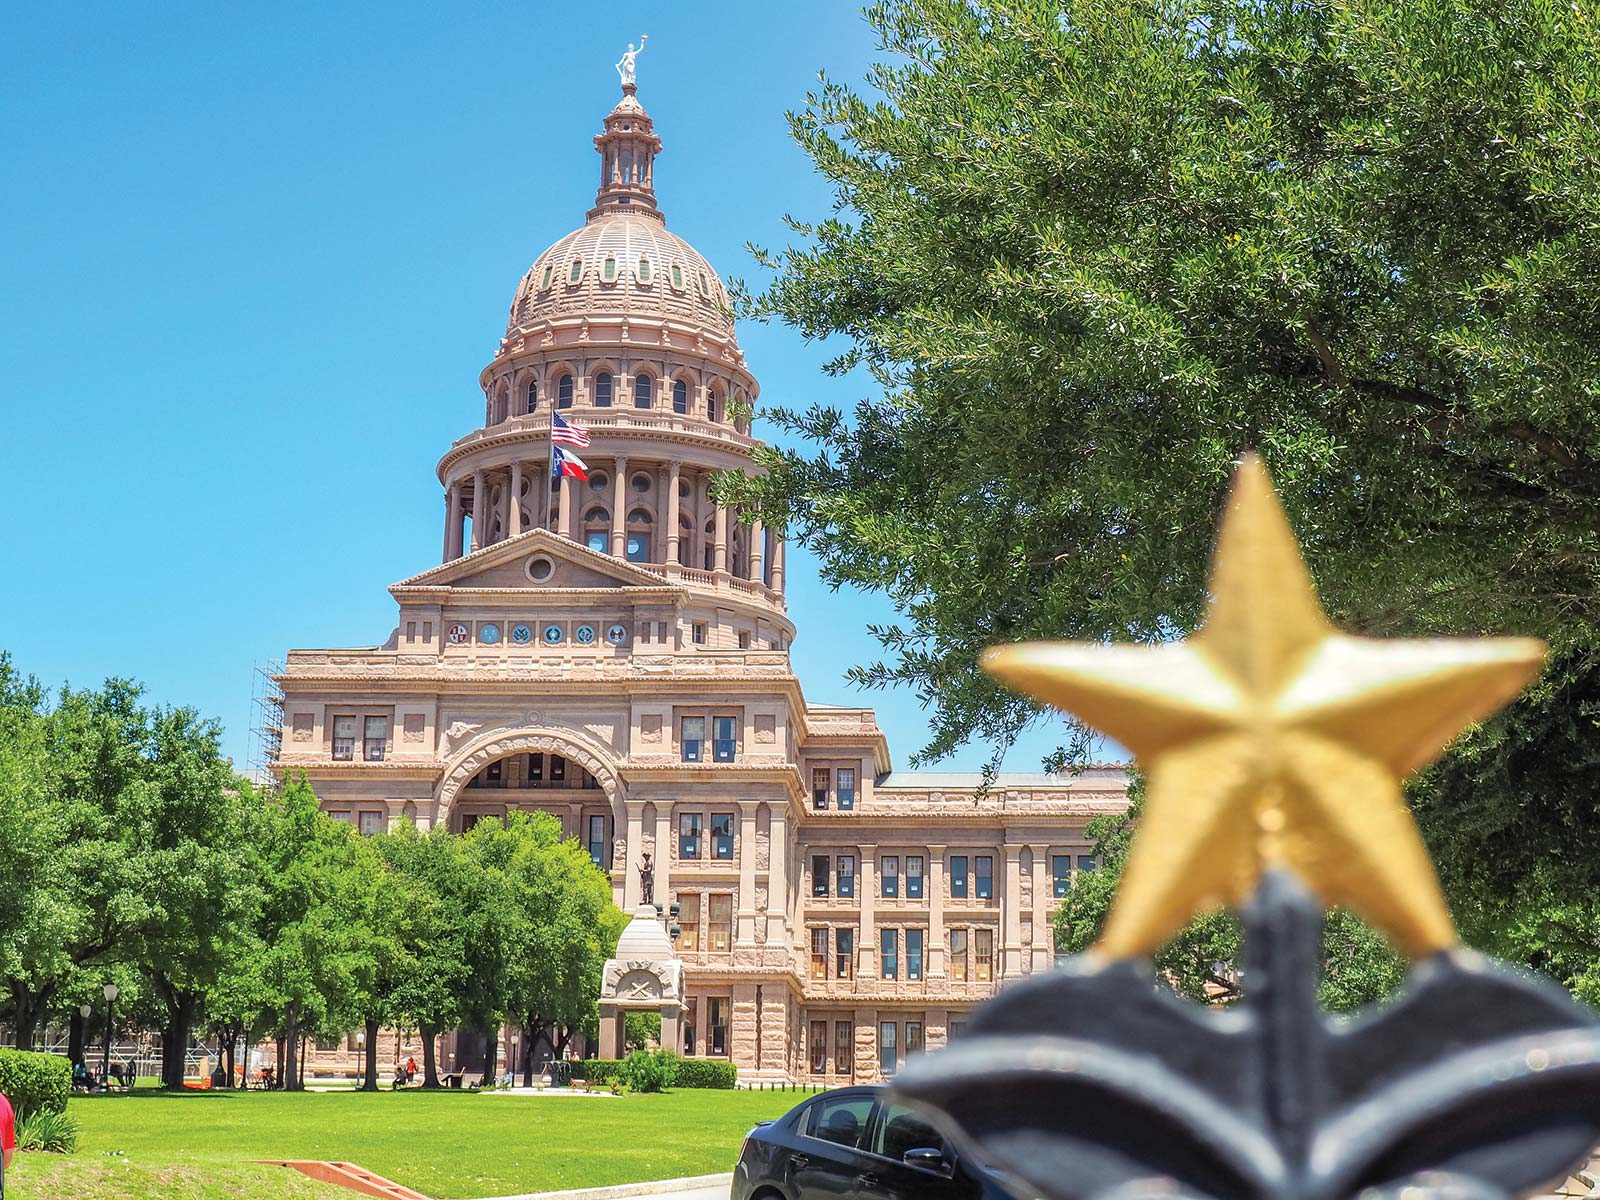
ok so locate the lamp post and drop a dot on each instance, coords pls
(85, 1011)
(105, 1063)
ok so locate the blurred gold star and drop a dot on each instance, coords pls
(1270, 739)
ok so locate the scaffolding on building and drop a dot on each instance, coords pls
(266, 705)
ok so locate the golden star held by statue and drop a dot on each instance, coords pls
(1271, 739)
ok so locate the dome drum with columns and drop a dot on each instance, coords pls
(616, 652)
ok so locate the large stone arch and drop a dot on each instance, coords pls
(576, 747)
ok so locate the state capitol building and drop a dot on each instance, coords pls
(616, 651)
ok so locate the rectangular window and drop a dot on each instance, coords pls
(819, 874)
(819, 1047)
(821, 785)
(697, 634)
(886, 1047)
(371, 823)
(694, 739)
(819, 954)
(597, 840)
(723, 739)
(744, 639)
(558, 769)
(889, 876)
(844, 1047)
(913, 1038)
(717, 1025)
(344, 739)
(847, 875)
(721, 835)
(983, 868)
(958, 955)
(847, 787)
(689, 920)
(495, 772)
(913, 954)
(958, 876)
(535, 769)
(688, 835)
(411, 631)
(721, 922)
(1060, 875)
(958, 1029)
(914, 876)
(889, 953)
(427, 631)
(844, 953)
(1085, 862)
(983, 953)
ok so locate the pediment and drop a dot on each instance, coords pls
(505, 565)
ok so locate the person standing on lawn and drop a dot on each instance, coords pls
(8, 1139)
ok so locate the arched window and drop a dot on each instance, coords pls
(597, 530)
(680, 396)
(677, 276)
(711, 404)
(685, 540)
(608, 269)
(711, 542)
(533, 395)
(549, 270)
(502, 403)
(643, 390)
(638, 538)
(644, 270)
(577, 271)
(564, 392)
(602, 390)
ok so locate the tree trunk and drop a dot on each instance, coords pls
(225, 1051)
(175, 1037)
(430, 1068)
(305, 1040)
(527, 1051)
(491, 1053)
(291, 1039)
(74, 1037)
(278, 1076)
(370, 1083)
(25, 1010)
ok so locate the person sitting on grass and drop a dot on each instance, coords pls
(401, 1078)
(81, 1078)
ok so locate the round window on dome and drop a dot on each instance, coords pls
(608, 270)
(677, 276)
(540, 568)
(577, 271)
(549, 271)
(598, 481)
(644, 270)
(641, 483)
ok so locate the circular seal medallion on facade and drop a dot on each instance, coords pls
(489, 634)
(617, 634)
(457, 634)
(521, 634)
(584, 634)
(553, 634)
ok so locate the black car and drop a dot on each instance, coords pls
(856, 1144)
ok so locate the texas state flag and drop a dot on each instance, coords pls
(565, 462)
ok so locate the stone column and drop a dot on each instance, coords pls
(778, 880)
(747, 873)
(742, 1031)
(611, 1031)
(672, 1028)
(867, 964)
(1011, 914)
(480, 508)
(774, 1029)
(619, 505)
(573, 825)
(674, 514)
(658, 536)
(935, 883)
(777, 563)
(453, 523)
(719, 560)
(758, 551)
(661, 864)
(569, 501)
(630, 880)
(514, 502)
(449, 503)
(1044, 937)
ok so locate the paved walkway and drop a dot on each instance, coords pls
(699, 1187)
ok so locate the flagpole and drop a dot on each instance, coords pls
(550, 470)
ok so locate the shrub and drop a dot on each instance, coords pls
(51, 1132)
(707, 1073)
(596, 1070)
(648, 1071)
(35, 1082)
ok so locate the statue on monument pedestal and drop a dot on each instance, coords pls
(647, 878)
(625, 63)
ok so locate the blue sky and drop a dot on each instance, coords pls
(254, 259)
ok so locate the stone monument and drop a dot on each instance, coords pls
(645, 975)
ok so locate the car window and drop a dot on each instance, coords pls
(843, 1120)
(902, 1129)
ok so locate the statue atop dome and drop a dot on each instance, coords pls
(625, 64)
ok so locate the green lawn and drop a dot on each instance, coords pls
(447, 1145)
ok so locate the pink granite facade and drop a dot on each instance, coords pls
(617, 651)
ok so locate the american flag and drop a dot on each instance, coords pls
(567, 433)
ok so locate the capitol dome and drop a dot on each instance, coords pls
(623, 263)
